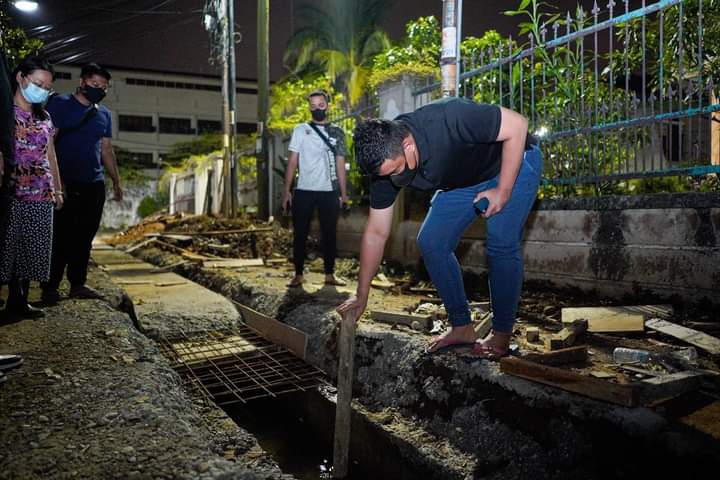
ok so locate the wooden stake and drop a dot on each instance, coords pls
(343, 410)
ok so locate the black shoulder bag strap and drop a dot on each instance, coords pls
(331, 166)
(89, 113)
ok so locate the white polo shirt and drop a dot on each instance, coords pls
(316, 163)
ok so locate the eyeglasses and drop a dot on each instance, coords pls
(40, 85)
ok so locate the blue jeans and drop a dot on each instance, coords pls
(451, 213)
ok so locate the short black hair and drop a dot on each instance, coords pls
(377, 140)
(94, 69)
(319, 93)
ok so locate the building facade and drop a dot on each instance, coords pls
(152, 111)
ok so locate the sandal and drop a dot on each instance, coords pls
(336, 281)
(443, 345)
(487, 352)
(296, 282)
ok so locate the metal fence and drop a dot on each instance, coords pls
(612, 94)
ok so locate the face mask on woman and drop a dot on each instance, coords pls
(34, 94)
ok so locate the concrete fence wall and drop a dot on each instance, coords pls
(667, 245)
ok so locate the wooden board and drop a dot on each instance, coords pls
(191, 352)
(532, 334)
(402, 318)
(234, 263)
(566, 337)
(233, 231)
(483, 326)
(570, 381)
(607, 319)
(343, 411)
(171, 283)
(277, 332)
(669, 386)
(701, 340)
(140, 245)
(559, 357)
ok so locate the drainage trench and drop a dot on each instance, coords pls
(497, 429)
(286, 404)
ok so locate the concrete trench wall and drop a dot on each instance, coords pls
(512, 428)
(663, 245)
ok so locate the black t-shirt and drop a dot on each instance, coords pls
(457, 147)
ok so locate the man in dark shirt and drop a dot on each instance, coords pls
(83, 146)
(481, 161)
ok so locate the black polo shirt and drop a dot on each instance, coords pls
(457, 147)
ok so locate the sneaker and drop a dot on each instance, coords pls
(50, 297)
(8, 361)
(85, 292)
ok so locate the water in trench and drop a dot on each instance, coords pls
(297, 431)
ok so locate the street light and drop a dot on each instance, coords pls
(26, 5)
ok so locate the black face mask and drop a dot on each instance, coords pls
(94, 94)
(404, 178)
(318, 115)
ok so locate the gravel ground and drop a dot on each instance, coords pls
(95, 399)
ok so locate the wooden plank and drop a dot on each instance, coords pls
(274, 331)
(483, 326)
(532, 334)
(566, 337)
(140, 245)
(559, 357)
(191, 352)
(669, 386)
(171, 284)
(133, 282)
(239, 231)
(275, 261)
(608, 319)
(402, 318)
(234, 263)
(343, 410)
(570, 381)
(423, 290)
(699, 339)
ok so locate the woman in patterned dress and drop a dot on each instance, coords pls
(35, 189)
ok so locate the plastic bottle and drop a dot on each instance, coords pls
(630, 355)
(686, 355)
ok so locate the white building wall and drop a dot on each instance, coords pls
(125, 98)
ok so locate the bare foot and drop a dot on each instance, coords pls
(296, 281)
(498, 340)
(457, 335)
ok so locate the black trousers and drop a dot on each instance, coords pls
(304, 203)
(74, 228)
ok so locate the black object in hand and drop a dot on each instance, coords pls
(482, 205)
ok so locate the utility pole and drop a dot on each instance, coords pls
(229, 105)
(450, 54)
(263, 76)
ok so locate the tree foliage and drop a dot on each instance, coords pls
(13, 40)
(338, 39)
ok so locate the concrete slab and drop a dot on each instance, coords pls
(165, 303)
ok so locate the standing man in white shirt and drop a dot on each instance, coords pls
(317, 149)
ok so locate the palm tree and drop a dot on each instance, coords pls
(340, 38)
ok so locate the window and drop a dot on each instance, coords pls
(209, 126)
(135, 123)
(176, 125)
(142, 158)
(186, 86)
(246, 128)
(63, 75)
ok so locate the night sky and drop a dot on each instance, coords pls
(167, 35)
